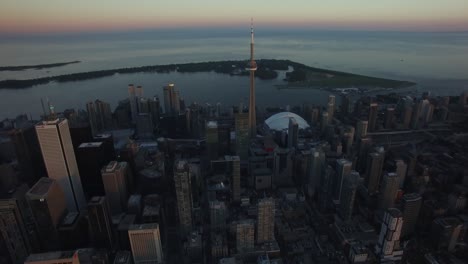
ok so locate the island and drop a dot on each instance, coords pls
(297, 74)
(36, 67)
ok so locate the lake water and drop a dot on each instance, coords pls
(438, 62)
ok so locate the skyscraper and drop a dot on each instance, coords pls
(100, 223)
(92, 117)
(343, 169)
(374, 169)
(235, 176)
(133, 101)
(389, 116)
(361, 130)
(388, 244)
(104, 115)
(48, 206)
(13, 232)
(266, 220)
(28, 152)
(411, 206)
(390, 186)
(317, 165)
(212, 145)
(293, 133)
(252, 67)
(91, 156)
(324, 121)
(59, 158)
(345, 103)
(183, 187)
(114, 177)
(218, 214)
(171, 99)
(331, 108)
(373, 112)
(245, 235)
(145, 241)
(242, 135)
(401, 168)
(348, 194)
(144, 126)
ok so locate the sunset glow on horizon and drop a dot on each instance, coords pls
(83, 16)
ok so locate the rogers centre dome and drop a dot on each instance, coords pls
(280, 121)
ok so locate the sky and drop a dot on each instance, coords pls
(49, 16)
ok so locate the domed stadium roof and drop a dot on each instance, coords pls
(280, 121)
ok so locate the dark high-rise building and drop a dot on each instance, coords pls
(373, 112)
(331, 108)
(171, 100)
(218, 215)
(400, 168)
(389, 116)
(99, 115)
(266, 220)
(28, 153)
(59, 158)
(445, 232)
(155, 110)
(115, 178)
(183, 187)
(48, 205)
(245, 235)
(107, 143)
(100, 223)
(343, 169)
(133, 102)
(13, 232)
(374, 169)
(92, 117)
(361, 129)
(411, 206)
(317, 167)
(348, 194)
(242, 135)
(75, 226)
(235, 176)
(293, 133)
(212, 144)
(324, 121)
(91, 158)
(345, 104)
(144, 126)
(390, 186)
(252, 67)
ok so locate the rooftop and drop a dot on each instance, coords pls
(280, 121)
(90, 145)
(42, 187)
(56, 255)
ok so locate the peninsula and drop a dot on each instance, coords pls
(36, 67)
(301, 75)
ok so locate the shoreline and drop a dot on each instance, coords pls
(302, 75)
(37, 67)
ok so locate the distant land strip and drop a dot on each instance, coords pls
(302, 75)
(36, 67)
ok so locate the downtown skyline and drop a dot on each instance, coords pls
(89, 16)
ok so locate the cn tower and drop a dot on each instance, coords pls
(252, 67)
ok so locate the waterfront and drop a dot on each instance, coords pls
(436, 61)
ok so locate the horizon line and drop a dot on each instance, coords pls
(268, 28)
